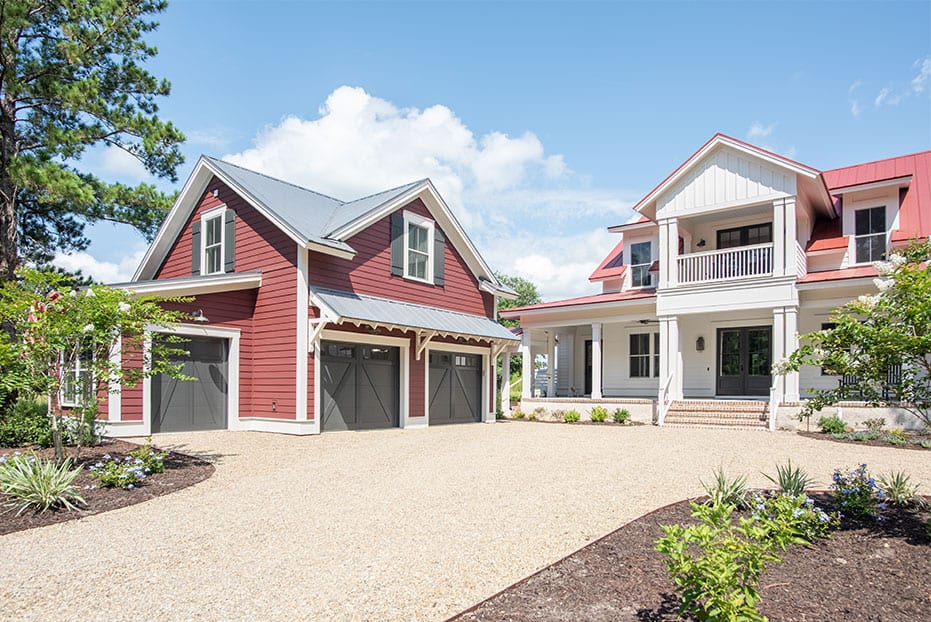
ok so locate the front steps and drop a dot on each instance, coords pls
(742, 414)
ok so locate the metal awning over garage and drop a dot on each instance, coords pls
(339, 306)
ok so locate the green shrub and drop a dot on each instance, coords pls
(517, 415)
(716, 566)
(857, 494)
(724, 491)
(621, 415)
(26, 423)
(532, 417)
(875, 425)
(791, 519)
(863, 435)
(571, 416)
(131, 470)
(924, 443)
(539, 411)
(832, 425)
(898, 489)
(150, 460)
(33, 482)
(599, 414)
(791, 480)
(895, 437)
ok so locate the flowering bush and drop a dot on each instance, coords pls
(857, 493)
(125, 473)
(791, 519)
(152, 460)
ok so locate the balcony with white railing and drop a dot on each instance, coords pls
(726, 264)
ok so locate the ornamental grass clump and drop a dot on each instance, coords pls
(571, 416)
(621, 415)
(724, 491)
(791, 480)
(857, 493)
(33, 482)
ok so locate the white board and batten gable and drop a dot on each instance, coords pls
(725, 178)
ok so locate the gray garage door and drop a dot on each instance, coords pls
(186, 405)
(455, 387)
(361, 386)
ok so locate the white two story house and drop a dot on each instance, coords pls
(735, 253)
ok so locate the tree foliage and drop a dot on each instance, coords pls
(72, 78)
(527, 294)
(889, 330)
(53, 325)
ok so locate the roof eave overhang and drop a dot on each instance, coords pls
(634, 226)
(330, 250)
(905, 180)
(487, 286)
(195, 285)
(842, 282)
(516, 314)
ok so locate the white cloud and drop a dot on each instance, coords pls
(924, 73)
(853, 87)
(527, 211)
(758, 130)
(855, 108)
(101, 271)
(886, 97)
(115, 162)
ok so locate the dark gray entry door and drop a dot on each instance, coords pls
(744, 360)
(200, 404)
(361, 386)
(455, 387)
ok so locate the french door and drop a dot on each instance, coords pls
(744, 360)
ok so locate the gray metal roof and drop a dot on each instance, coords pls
(313, 215)
(349, 306)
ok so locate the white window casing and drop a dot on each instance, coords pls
(418, 247)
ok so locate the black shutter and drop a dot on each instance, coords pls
(195, 248)
(439, 258)
(397, 244)
(229, 241)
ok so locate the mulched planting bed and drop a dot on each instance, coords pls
(912, 440)
(180, 472)
(867, 571)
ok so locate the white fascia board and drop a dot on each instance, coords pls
(440, 210)
(598, 306)
(898, 181)
(835, 283)
(194, 285)
(715, 142)
(632, 227)
(491, 288)
(330, 250)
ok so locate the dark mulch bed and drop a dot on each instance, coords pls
(606, 423)
(879, 572)
(180, 472)
(913, 438)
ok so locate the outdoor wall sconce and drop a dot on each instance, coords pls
(700, 344)
(199, 317)
(701, 243)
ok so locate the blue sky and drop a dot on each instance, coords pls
(541, 123)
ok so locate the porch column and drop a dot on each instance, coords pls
(551, 364)
(670, 359)
(789, 239)
(668, 254)
(596, 361)
(779, 238)
(527, 368)
(506, 383)
(791, 345)
(779, 350)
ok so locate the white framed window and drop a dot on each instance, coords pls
(211, 241)
(76, 381)
(418, 248)
(641, 258)
(641, 355)
(870, 234)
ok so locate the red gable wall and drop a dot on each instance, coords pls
(369, 272)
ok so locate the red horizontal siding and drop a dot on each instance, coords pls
(369, 272)
(266, 317)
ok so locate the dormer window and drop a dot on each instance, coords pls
(640, 260)
(213, 244)
(870, 234)
(418, 248)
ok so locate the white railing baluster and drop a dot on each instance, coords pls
(731, 263)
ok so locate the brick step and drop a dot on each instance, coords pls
(716, 426)
(719, 406)
(745, 414)
(676, 417)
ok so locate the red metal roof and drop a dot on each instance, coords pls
(826, 235)
(835, 275)
(915, 210)
(584, 300)
(612, 266)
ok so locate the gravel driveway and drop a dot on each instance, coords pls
(388, 525)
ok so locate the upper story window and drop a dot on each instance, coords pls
(640, 260)
(745, 236)
(212, 238)
(418, 248)
(870, 234)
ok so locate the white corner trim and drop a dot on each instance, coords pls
(114, 389)
(302, 345)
